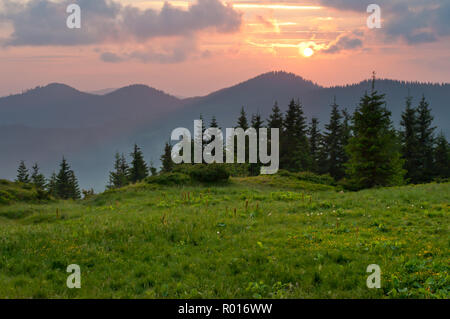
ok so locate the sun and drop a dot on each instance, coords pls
(307, 52)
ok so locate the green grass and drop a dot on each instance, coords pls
(262, 237)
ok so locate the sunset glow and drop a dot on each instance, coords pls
(202, 40)
(308, 52)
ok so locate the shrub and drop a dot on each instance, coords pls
(172, 178)
(211, 173)
(308, 176)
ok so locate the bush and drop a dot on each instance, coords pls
(310, 177)
(5, 198)
(172, 178)
(211, 173)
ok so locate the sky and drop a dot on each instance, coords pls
(191, 48)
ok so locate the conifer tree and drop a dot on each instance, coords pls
(37, 178)
(333, 143)
(214, 123)
(346, 133)
(257, 123)
(66, 185)
(374, 154)
(119, 177)
(242, 120)
(138, 170)
(73, 186)
(23, 175)
(294, 147)
(51, 186)
(166, 159)
(442, 157)
(410, 142)
(314, 144)
(276, 118)
(426, 141)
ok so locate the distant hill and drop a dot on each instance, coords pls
(44, 123)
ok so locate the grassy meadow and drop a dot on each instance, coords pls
(256, 237)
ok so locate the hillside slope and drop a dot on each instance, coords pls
(234, 241)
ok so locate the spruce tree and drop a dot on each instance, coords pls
(138, 170)
(37, 178)
(333, 144)
(51, 186)
(442, 157)
(214, 123)
(276, 118)
(314, 144)
(119, 177)
(257, 123)
(23, 175)
(346, 133)
(73, 186)
(294, 146)
(410, 142)
(426, 141)
(66, 185)
(374, 154)
(242, 120)
(166, 159)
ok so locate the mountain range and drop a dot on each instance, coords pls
(43, 124)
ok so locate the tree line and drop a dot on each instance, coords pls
(359, 150)
(63, 185)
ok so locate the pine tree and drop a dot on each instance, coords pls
(242, 120)
(37, 178)
(442, 157)
(166, 159)
(73, 186)
(257, 123)
(374, 154)
(314, 144)
(214, 123)
(333, 144)
(23, 175)
(410, 142)
(426, 141)
(138, 170)
(346, 133)
(119, 177)
(66, 185)
(276, 118)
(294, 142)
(51, 186)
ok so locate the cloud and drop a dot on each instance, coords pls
(413, 21)
(110, 57)
(43, 22)
(265, 22)
(344, 42)
(177, 52)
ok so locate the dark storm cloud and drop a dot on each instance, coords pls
(414, 21)
(43, 22)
